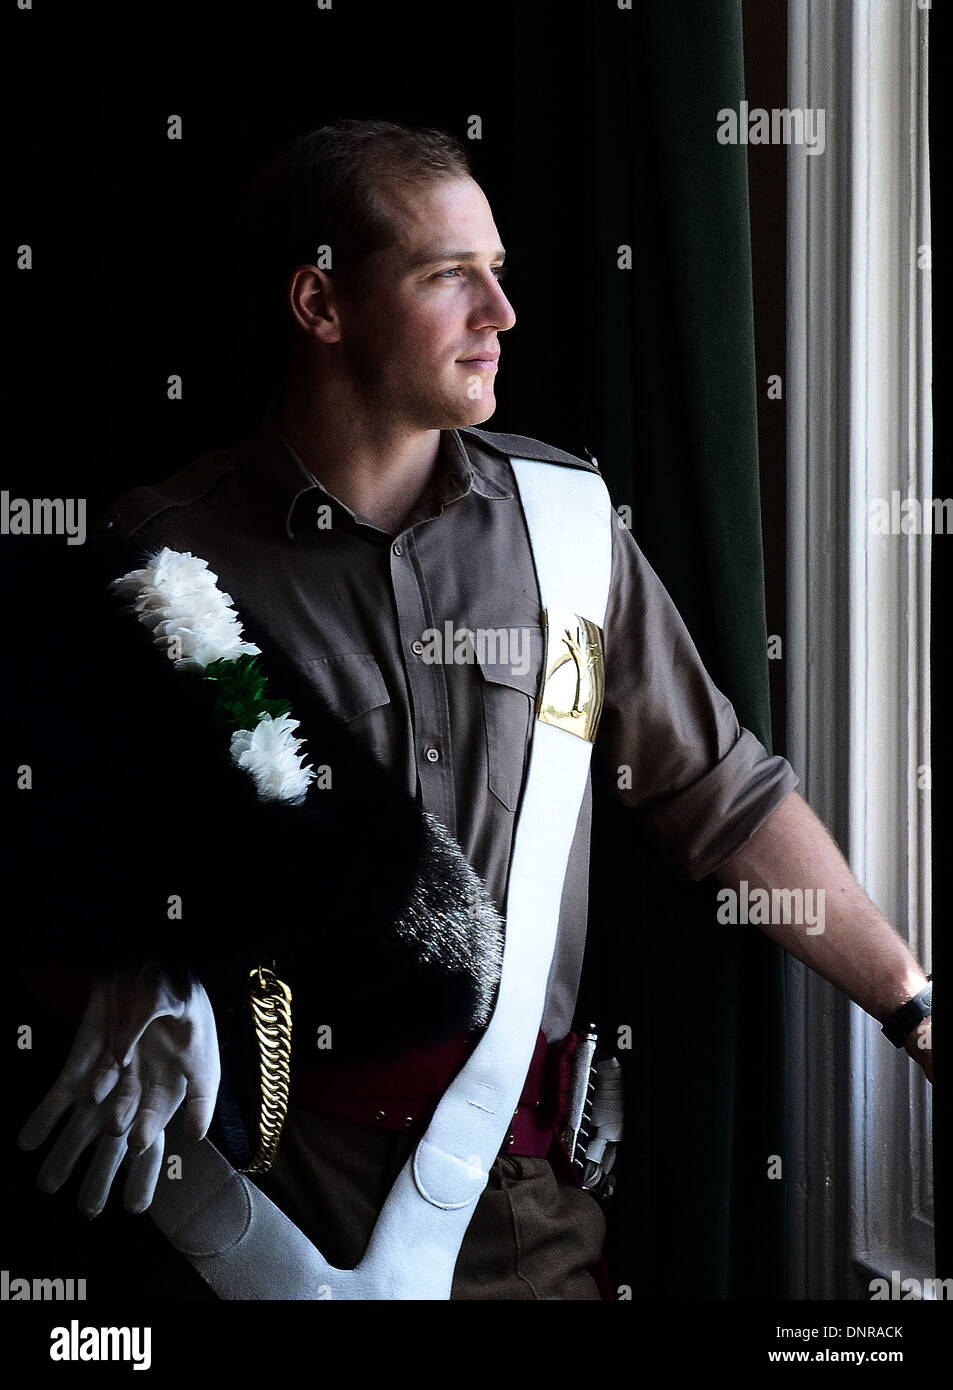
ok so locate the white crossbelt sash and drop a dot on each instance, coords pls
(237, 1239)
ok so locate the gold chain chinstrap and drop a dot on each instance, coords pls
(270, 1000)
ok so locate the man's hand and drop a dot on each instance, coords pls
(140, 1051)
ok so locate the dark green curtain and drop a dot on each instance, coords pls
(674, 394)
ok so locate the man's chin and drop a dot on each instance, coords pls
(456, 414)
(477, 411)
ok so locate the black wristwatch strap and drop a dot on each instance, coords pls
(901, 1024)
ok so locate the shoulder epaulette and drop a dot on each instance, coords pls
(135, 508)
(521, 446)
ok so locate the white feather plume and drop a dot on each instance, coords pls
(177, 597)
(269, 753)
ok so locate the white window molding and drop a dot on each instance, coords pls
(858, 391)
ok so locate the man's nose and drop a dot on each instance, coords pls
(494, 309)
(510, 319)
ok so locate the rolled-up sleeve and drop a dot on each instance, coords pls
(669, 743)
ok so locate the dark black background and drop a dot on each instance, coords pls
(136, 238)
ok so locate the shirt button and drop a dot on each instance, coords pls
(398, 548)
(432, 754)
(417, 647)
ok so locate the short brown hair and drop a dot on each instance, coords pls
(324, 189)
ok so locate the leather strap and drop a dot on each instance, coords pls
(909, 1016)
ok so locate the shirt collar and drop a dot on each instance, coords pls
(282, 479)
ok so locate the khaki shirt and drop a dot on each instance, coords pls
(357, 609)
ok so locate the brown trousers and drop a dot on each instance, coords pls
(532, 1236)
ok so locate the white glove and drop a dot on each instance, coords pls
(607, 1115)
(140, 1051)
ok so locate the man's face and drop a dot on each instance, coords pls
(428, 307)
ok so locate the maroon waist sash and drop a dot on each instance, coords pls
(402, 1094)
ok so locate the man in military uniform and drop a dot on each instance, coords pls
(369, 521)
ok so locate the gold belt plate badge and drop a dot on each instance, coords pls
(574, 674)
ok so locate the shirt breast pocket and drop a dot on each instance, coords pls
(349, 685)
(509, 700)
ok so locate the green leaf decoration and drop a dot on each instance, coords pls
(240, 694)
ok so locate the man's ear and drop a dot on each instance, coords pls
(313, 302)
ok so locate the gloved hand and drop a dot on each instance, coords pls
(141, 1049)
(606, 1126)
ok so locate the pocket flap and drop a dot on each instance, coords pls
(350, 684)
(514, 659)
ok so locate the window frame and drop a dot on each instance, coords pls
(858, 642)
